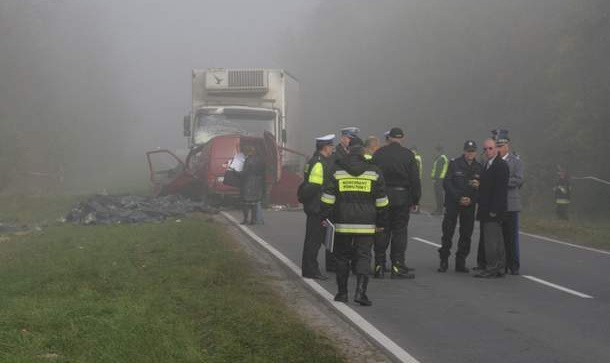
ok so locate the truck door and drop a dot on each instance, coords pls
(168, 173)
(272, 157)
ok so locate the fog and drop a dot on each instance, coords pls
(88, 87)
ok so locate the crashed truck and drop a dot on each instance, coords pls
(231, 108)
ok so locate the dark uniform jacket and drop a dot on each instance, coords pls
(318, 171)
(399, 168)
(355, 197)
(340, 153)
(493, 191)
(457, 179)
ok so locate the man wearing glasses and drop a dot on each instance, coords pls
(492, 206)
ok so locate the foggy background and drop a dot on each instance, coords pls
(88, 87)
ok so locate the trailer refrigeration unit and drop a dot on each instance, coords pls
(230, 108)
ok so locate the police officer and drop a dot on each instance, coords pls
(510, 219)
(341, 151)
(399, 169)
(439, 170)
(347, 134)
(461, 184)
(317, 172)
(356, 202)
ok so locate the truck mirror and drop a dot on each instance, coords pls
(284, 137)
(187, 126)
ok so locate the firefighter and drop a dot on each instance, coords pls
(439, 170)
(317, 172)
(341, 151)
(355, 201)
(563, 191)
(399, 169)
(461, 184)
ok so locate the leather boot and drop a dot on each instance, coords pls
(342, 277)
(460, 265)
(444, 265)
(399, 272)
(362, 283)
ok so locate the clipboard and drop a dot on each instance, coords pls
(329, 237)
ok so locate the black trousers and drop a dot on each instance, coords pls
(450, 220)
(481, 261)
(352, 250)
(314, 237)
(510, 232)
(439, 194)
(396, 237)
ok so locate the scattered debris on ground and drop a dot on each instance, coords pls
(109, 209)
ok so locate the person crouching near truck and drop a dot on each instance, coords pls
(252, 187)
(354, 199)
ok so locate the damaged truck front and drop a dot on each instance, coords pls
(231, 108)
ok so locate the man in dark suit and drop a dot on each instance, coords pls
(492, 205)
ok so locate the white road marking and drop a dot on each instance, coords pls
(426, 241)
(532, 278)
(344, 309)
(558, 287)
(564, 243)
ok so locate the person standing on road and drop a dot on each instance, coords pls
(461, 186)
(355, 201)
(347, 134)
(252, 185)
(341, 151)
(370, 146)
(510, 219)
(493, 191)
(563, 191)
(399, 168)
(317, 172)
(439, 170)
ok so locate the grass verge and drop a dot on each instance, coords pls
(589, 233)
(168, 292)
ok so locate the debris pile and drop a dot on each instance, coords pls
(109, 209)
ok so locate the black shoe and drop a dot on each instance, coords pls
(398, 272)
(379, 272)
(514, 271)
(479, 268)
(444, 266)
(341, 297)
(499, 275)
(244, 221)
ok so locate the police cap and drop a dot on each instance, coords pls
(350, 131)
(470, 145)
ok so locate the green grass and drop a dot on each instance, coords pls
(589, 232)
(21, 209)
(167, 292)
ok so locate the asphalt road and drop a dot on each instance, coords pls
(557, 310)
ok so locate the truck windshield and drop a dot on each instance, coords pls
(209, 126)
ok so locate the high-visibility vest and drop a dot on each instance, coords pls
(440, 167)
(419, 161)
